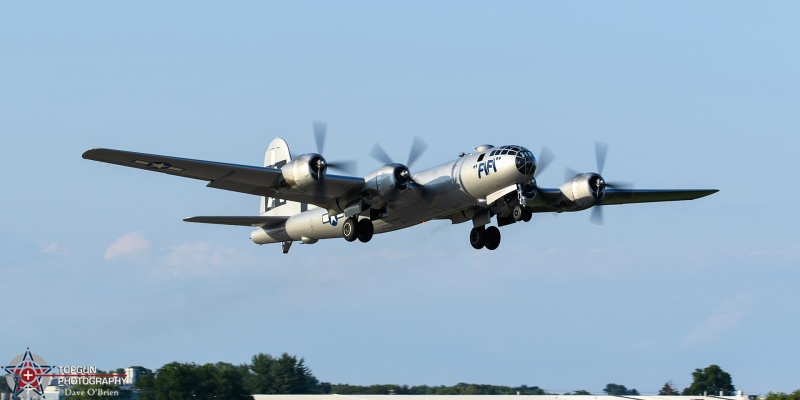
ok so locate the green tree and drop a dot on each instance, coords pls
(668, 390)
(176, 381)
(612, 389)
(784, 396)
(710, 380)
(284, 375)
(144, 383)
(458, 389)
(3, 386)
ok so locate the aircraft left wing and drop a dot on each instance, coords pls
(259, 181)
(627, 196)
(547, 200)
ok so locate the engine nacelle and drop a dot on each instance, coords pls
(583, 191)
(304, 172)
(386, 184)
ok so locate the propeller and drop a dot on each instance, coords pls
(417, 148)
(349, 167)
(545, 158)
(600, 153)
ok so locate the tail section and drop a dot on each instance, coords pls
(276, 157)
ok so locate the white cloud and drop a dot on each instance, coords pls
(54, 248)
(128, 244)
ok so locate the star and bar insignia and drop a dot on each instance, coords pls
(158, 165)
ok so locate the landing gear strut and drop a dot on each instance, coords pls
(481, 236)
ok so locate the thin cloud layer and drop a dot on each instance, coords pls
(725, 318)
(199, 259)
(128, 244)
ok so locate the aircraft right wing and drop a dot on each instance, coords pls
(260, 181)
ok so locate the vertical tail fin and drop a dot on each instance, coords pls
(276, 157)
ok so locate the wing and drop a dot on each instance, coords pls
(626, 196)
(547, 200)
(260, 221)
(260, 181)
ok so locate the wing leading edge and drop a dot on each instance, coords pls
(260, 181)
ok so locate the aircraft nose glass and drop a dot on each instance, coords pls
(524, 162)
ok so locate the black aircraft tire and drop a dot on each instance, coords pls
(518, 213)
(527, 214)
(350, 229)
(492, 237)
(365, 230)
(477, 237)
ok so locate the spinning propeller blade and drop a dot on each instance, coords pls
(349, 167)
(546, 157)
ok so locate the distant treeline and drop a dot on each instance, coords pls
(461, 388)
(287, 374)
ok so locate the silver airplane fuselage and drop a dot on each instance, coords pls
(453, 188)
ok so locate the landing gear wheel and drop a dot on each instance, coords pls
(350, 229)
(518, 213)
(492, 237)
(477, 237)
(527, 214)
(365, 230)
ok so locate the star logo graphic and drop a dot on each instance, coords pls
(28, 371)
(158, 165)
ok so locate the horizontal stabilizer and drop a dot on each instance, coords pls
(254, 221)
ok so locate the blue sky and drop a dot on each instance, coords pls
(98, 268)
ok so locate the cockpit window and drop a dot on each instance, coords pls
(480, 157)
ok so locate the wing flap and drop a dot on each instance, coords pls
(254, 221)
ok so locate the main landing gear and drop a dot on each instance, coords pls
(361, 229)
(481, 237)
